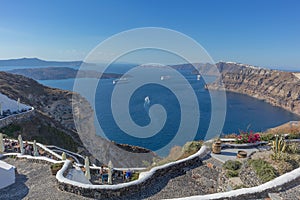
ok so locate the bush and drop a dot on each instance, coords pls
(292, 148)
(293, 136)
(263, 170)
(232, 173)
(232, 165)
(239, 186)
(245, 137)
(135, 176)
(56, 166)
(192, 147)
(267, 137)
(12, 131)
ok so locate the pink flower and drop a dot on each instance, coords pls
(245, 137)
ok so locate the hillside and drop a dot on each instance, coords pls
(54, 114)
(206, 68)
(37, 62)
(278, 88)
(57, 73)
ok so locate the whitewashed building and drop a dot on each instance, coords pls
(7, 174)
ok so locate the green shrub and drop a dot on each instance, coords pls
(232, 165)
(135, 176)
(232, 173)
(192, 147)
(263, 170)
(293, 136)
(267, 137)
(11, 131)
(56, 137)
(239, 186)
(292, 148)
(56, 166)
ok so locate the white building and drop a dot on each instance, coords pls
(7, 174)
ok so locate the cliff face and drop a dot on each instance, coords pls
(54, 108)
(51, 102)
(275, 87)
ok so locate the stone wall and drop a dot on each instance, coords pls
(16, 118)
(33, 159)
(134, 189)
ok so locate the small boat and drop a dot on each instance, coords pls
(120, 80)
(198, 77)
(164, 77)
(147, 99)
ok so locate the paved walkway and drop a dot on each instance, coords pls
(230, 154)
(34, 181)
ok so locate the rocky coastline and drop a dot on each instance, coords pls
(278, 88)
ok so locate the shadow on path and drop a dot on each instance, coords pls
(18, 190)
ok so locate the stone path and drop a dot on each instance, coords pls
(230, 153)
(200, 180)
(34, 181)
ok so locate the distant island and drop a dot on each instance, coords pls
(53, 70)
(58, 73)
(32, 62)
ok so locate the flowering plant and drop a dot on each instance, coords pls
(247, 137)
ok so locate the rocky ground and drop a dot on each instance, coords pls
(292, 193)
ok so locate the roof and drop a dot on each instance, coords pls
(5, 165)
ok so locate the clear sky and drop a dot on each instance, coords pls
(259, 32)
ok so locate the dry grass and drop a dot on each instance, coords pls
(178, 153)
(286, 128)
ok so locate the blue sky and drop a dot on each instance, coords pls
(259, 32)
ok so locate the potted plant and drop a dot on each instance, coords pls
(216, 146)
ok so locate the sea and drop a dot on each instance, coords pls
(242, 113)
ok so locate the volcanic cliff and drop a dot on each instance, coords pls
(278, 88)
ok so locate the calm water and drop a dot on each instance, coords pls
(242, 111)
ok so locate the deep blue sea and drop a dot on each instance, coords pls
(243, 112)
